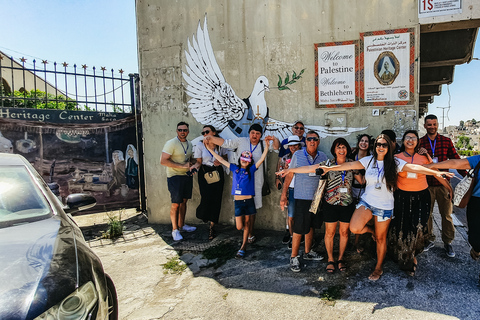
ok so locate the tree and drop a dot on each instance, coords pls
(462, 124)
(36, 99)
(463, 143)
(474, 122)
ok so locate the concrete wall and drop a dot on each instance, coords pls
(253, 38)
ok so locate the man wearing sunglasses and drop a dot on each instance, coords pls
(176, 155)
(298, 130)
(305, 186)
(440, 148)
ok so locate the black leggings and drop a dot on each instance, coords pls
(473, 220)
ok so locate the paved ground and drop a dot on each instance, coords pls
(261, 286)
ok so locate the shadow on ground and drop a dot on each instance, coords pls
(441, 285)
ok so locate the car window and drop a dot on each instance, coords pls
(21, 200)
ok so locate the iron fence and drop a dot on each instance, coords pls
(47, 85)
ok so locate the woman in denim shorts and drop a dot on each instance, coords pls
(381, 171)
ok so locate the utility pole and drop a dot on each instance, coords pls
(443, 117)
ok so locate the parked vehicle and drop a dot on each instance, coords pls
(48, 270)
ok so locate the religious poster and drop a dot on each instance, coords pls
(78, 152)
(388, 59)
(336, 74)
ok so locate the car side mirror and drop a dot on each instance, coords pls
(79, 202)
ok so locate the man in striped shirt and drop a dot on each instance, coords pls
(304, 190)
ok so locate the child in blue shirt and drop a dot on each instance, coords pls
(243, 190)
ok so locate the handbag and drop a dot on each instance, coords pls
(212, 177)
(265, 187)
(317, 197)
(464, 189)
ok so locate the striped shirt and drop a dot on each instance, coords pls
(306, 185)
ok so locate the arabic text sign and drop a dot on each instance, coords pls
(387, 67)
(336, 74)
(430, 8)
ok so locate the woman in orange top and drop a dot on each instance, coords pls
(411, 207)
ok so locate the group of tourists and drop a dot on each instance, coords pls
(380, 188)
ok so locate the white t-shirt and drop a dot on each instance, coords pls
(200, 151)
(379, 198)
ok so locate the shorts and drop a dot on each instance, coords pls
(245, 207)
(333, 213)
(291, 203)
(180, 188)
(303, 219)
(381, 214)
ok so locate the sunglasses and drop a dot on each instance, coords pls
(205, 132)
(298, 128)
(182, 130)
(312, 139)
(382, 145)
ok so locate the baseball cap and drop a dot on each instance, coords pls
(246, 156)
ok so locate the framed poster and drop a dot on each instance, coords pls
(387, 67)
(336, 74)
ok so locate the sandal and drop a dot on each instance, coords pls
(376, 274)
(412, 272)
(211, 233)
(240, 254)
(474, 254)
(342, 268)
(330, 263)
(251, 239)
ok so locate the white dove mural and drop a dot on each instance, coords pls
(213, 101)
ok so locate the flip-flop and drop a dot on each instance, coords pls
(251, 239)
(330, 263)
(375, 275)
(344, 268)
(240, 254)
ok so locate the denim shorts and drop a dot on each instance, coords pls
(382, 215)
(245, 207)
(291, 203)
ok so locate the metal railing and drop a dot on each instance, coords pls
(64, 87)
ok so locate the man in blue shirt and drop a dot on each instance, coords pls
(304, 190)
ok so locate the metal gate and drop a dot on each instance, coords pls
(79, 126)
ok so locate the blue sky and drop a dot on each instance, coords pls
(93, 32)
(464, 93)
(102, 33)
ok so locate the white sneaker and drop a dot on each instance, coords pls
(188, 228)
(176, 235)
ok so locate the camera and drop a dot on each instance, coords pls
(319, 171)
(190, 173)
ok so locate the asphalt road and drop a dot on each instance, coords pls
(261, 286)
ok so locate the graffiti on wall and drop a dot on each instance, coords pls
(80, 155)
(214, 102)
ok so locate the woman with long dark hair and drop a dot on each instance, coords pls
(211, 193)
(363, 149)
(381, 171)
(411, 206)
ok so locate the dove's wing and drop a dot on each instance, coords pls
(283, 130)
(324, 132)
(213, 100)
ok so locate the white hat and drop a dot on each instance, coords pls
(293, 140)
